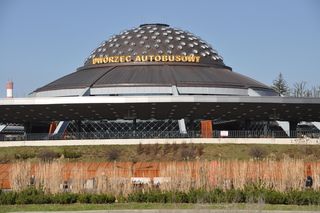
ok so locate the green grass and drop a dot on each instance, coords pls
(165, 152)
(79, 207)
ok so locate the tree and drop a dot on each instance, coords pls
(280, 85)
(300, 89)
(315, 91)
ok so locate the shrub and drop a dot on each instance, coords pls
(184, 144)
(113, 154)
(140, 149)
(70, 154)
(308, 150)
(235, 196)
(194, 196)
(84, 198)
(64, 198)
(253, 193)
(188, 153)
(180, 197)
(147, 149)
(216, 196)
(257, 152)
(152, 196)
(155, 148)
(7, 198)
(306, 197)
(121, 199)
(24, 155)
(314, 196)
(48, 155)
(274, 197)
(166, 149)
(32, 195)
(5, 158)
(156, 196)
(137, 197)
(42, 199)
(102, 198)
(200, 150)
(249, 194)
(110, 199)
(175, 147)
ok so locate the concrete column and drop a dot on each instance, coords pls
(181, 122)
(285, 126)
(134, 126)
(182, 126)
(316, 124)
(61, 128)
(2, 127)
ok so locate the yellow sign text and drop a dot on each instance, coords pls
(146, 58)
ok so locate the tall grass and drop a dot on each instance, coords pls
(115, 178)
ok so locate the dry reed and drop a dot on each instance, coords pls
(115, 178)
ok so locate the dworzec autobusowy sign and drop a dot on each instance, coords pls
(146, 58)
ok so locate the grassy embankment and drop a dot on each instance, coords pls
(156, 152)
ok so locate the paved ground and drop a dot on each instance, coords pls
(181, 211)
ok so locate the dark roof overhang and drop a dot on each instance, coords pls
(22, 110)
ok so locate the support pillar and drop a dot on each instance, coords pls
(285, 126)
(191, 127)
(181, 122)
(206, 129)
(266, 128)
(27, 130)
(2, 127)
(78, 126)
(61, 128)
(316, 124)
(27, 127)
(247, 124)
(293, 128)
(134, 127)
(182, 126)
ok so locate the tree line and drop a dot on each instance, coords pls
(299, 89)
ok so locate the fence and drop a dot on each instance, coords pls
(159, 134)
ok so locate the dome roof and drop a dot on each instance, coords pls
(156, 39)
(154, 59)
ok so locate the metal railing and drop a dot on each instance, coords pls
(160, 134)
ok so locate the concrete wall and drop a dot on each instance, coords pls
(293, 141)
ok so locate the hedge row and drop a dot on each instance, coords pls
(33, 196)
(247, 195)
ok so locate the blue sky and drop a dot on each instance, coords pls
(42, 40)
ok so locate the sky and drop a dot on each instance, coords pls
(42, 40)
